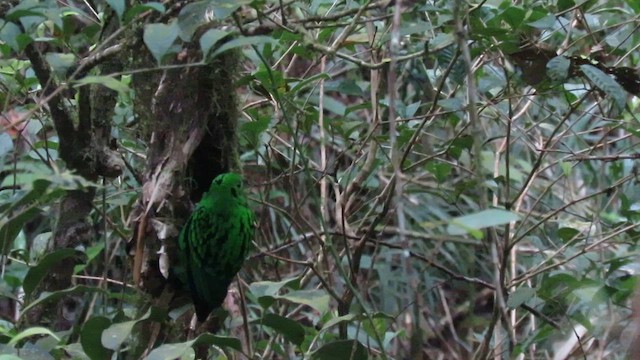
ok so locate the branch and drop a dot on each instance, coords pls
(59, 114)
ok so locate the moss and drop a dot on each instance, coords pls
(217, 153)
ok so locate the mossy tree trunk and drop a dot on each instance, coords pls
(188, 117)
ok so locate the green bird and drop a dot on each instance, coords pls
(214, 242)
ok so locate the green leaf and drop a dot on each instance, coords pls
(107, 81)
(334, 105)
(316, 299)
(544, 23)
(270, 288)
(71, 351)
(139, 9)
(9, 33)
(210, 38)
(222, 9)
(9, 357)
(564, 5)
(271, 80)
(60, 63)
(557, 285)
(606, 83)
(91, 253)
(441, 41)
(311, 79)
(453, 104)
(291, 330)
(38, 272)
(6, 144)
(488, 31)
(376, 325)
(520, 296)
(346, 318)
(32, 332)
(349, 87)
(483, 219)
(244, 41)
(514, 15)
(172, 351)
(222, 341)
(635, 5)
(32, 196)
(91, 338)
(590, 293)
(459, 144)
(191, 17)
(558, 68)
(55, 16)
(178, 350)
(11, 225)
(341, 350)
(113, 336)
(118, 7)
(440, 170)
(412, 108)
(567, 233)
(30, 13)
(160, 38)
(253, 130)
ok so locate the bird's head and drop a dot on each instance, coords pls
(228, 184)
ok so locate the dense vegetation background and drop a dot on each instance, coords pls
(430, 180)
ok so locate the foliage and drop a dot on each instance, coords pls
(418, 191)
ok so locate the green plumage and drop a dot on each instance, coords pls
(214, 242)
